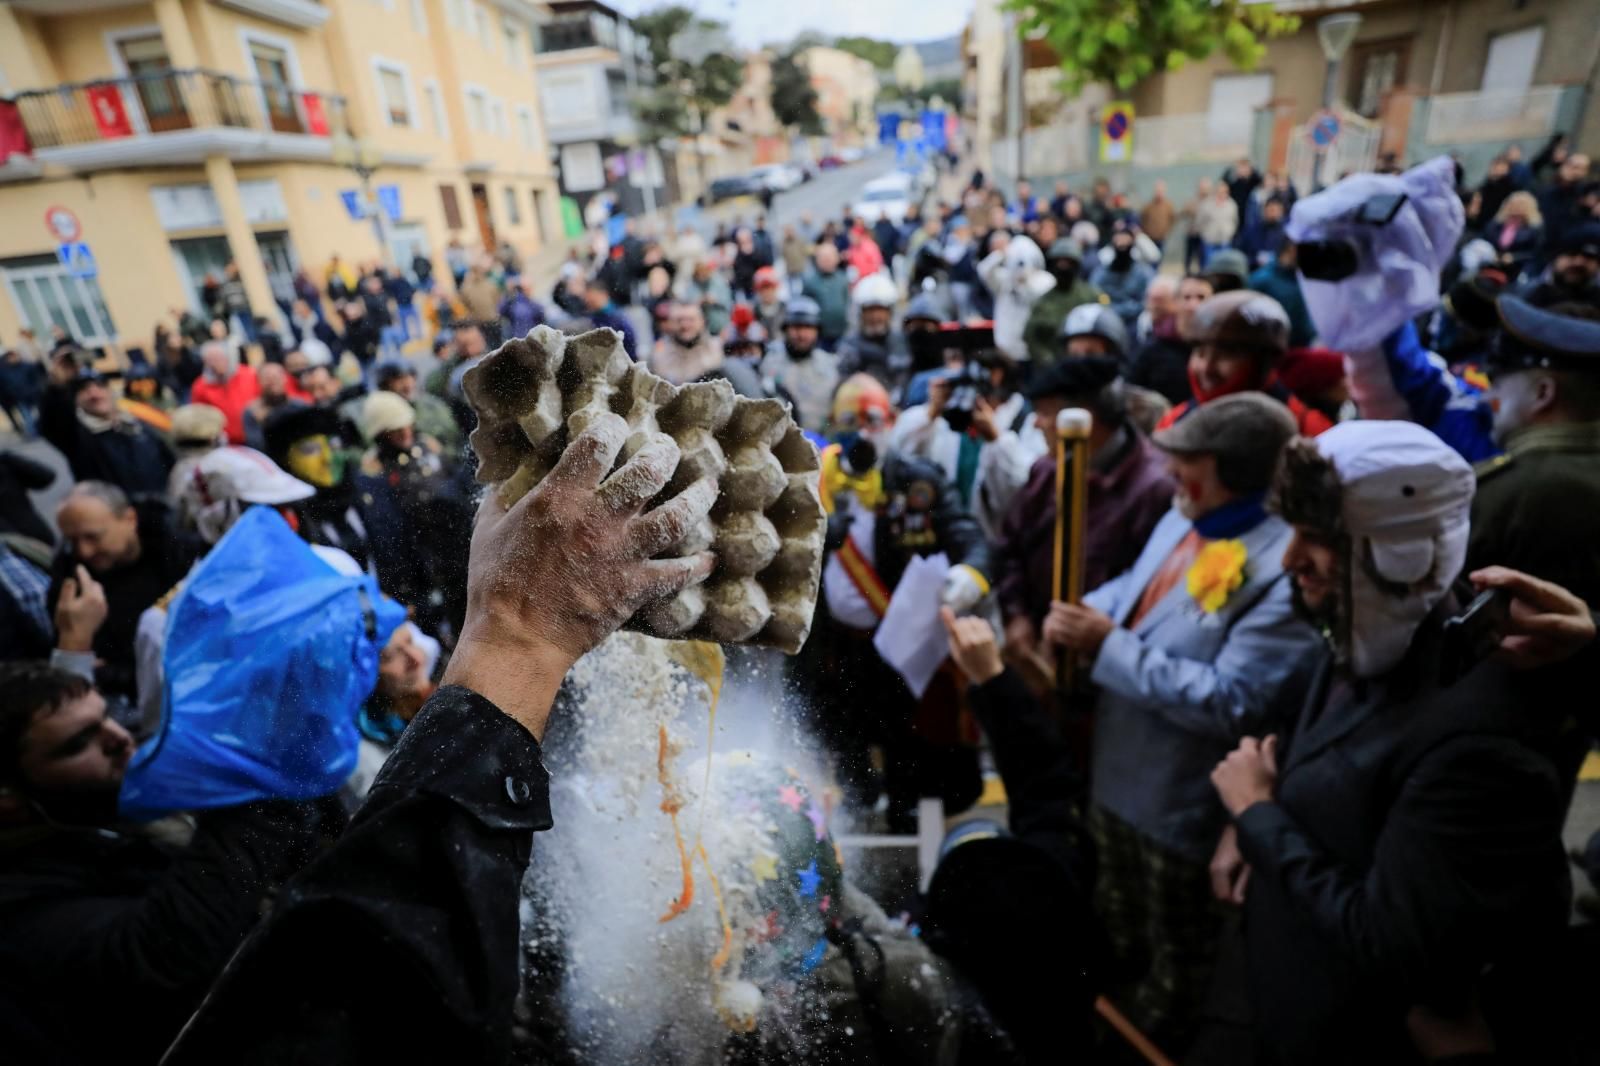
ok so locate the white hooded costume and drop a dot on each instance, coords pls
(1017, 278)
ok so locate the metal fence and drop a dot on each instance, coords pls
(161, 102)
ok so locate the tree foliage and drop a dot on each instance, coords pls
(879, 53)
(794, 101)
(688, 87)
(1118, 42)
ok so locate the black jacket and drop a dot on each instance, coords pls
(20, 475)
(131, 456)
(399, 944)
(1415, 842)
(109, 940)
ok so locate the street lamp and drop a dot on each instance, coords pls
(1336, 33)
(363, 157)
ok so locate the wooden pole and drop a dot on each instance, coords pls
(1130, 1032)
(1072, 491)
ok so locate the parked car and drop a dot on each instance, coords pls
(889, 195)
(829, 162)
(779, 177)
(729, 187)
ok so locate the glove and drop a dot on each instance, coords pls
(963, 588)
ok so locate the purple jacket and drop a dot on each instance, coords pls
(1125, 503)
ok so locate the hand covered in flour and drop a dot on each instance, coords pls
(568, 563)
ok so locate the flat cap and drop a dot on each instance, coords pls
(1242, 319)
(1065, 248)
(1229, 261)
(1247, 429)
(1532, 337)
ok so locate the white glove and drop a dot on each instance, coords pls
(963, 588)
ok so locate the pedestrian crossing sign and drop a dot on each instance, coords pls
(78, 261)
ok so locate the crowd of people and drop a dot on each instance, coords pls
(1287, 785)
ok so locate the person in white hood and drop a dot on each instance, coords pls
(1401, 838)
(1016, 276)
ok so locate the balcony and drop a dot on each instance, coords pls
(1493, 116)
(178, 117)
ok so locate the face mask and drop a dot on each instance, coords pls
(1065, 274)
(1122, 258)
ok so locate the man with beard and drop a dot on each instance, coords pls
(315, 445)
(1238, 339)
(101, 915)
(1193, 647)
(1042, 333)
(1403, 834)
(689, 350)
(875, 347)
(1573, 275)
(807, 373)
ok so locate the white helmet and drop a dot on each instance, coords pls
(875, 290)
(227, 480)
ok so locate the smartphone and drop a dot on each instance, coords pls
(1474, 634)
(1380, 210)
(1327, 260)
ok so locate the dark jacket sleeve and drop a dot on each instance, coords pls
(1008, 555)
(959, 533)
(30, 473)
(1468, 862)
(58, 424)
(400, 944)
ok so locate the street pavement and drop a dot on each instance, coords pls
(825, 196)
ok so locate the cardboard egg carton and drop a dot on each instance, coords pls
(535, 394)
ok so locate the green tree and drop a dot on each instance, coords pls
(879, 53)
(1121, 41)
(696, 72)
(794, 101)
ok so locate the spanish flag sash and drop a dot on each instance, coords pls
(864, 577)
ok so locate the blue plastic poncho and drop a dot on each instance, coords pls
(269, 655)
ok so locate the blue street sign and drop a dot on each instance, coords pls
(1324, 130)
(78, 260)
(389, 200)
(352, 203)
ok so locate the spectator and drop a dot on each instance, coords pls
(689, 351)
(825, 283)
(887, 237)
(1194, 647)
(1228, 270)
(479, 294)
(1280, 280)
(769, 301)
(604, 314)
(707, 287)
(747, 260)
(403, 295)
(1158, 216)
(796, 252)
(1263, 236)
(1241, 180)
(273, 381)
(1189, 215)
(1574, 273)
(806, 372)
(519, 311)
(862, 254)
(1042, 333)
(1403, 837)
(1162, 364)
(227, 386)
(875, 347)
(136, 554)
(1160, 305)
(235, 304)
(1517, 233)
(93, 909)
(1238, 338)
(1216, 220)
(1559, 200)
(1123, 279)
(433, 417)
(78, 415)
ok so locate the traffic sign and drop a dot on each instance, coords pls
(353, 204)
(1323, 130)
(78, 260)
(62, 224)
(1116, 132)
(389, 200)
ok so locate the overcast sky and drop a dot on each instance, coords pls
(757, 22)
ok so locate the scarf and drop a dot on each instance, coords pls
(1233, 519)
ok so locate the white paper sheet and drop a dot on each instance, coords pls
(911, 638)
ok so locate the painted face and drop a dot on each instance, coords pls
(312, 460)
(1200, 490)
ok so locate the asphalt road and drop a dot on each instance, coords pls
(823, 197)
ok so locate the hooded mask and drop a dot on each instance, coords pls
(1405, 503)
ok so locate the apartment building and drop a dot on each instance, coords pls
(847, 93)
(174, 136)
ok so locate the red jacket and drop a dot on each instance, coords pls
(1309, 419)
(231, 398)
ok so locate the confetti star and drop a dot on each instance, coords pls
(818, 821)
(765, 868)
(790, 797)
(809, 879)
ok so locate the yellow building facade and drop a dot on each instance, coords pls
(173, 136)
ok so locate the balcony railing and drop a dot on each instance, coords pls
(173, 100)
(1493, 116)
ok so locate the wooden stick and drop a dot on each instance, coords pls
(1072, 440)
(1130, 1032)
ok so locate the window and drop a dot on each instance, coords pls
(1234, 99)
(419, 16)
(497, 112)
(513, 41)
(513, 209)
(45, 295)
(436, 119)
(525, 126)
(159, 91)
(452, 206)
(271, 64)
(455, 13)
(482, 16)
(581, 169)
(1513, 58)
(478, 110)
(394, 92)
(1379, 66)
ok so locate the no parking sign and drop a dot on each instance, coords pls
(1116, 132)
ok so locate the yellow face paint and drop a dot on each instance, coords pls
(311, 460)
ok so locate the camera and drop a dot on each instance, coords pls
(1335, 260)
(966, 385)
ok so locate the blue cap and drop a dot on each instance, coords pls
(1533, 337)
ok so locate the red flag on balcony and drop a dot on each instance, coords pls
(13, 134)
(109, 115)
(316, 117)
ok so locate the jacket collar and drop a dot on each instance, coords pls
(1555, 437)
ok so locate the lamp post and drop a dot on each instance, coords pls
(1336, 33)
(363, 157)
